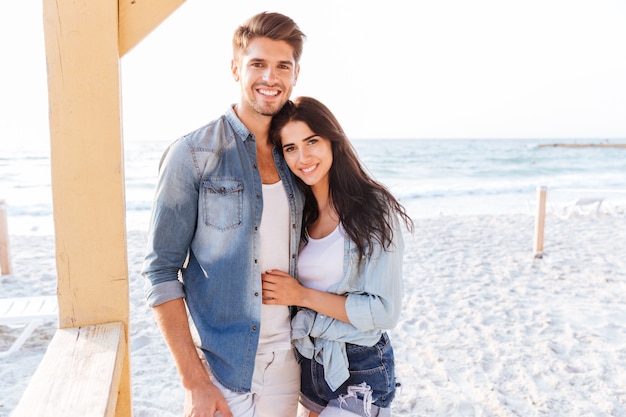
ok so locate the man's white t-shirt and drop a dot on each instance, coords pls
(274, 232)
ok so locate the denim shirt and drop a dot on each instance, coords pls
(205, 226)
(373, 285)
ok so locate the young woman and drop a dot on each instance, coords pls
(349, 286)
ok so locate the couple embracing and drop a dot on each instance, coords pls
(286, 254)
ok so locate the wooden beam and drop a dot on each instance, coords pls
(139, 17)
(79, 374)
(81, 38)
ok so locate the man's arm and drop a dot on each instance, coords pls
(202, 397)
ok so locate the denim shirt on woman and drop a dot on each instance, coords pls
(373, 286)
(205, 225)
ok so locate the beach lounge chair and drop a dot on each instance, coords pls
(588, 206)
(583, 206)
(29, 312)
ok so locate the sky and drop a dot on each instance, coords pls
(537, 69)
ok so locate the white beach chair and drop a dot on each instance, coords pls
(583, 206)
(29, 312)
(614, 209)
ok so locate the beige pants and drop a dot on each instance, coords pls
(275, 388)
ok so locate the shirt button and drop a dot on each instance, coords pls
(254, 328)
(256, 261)
(256, 294)
(258, 196)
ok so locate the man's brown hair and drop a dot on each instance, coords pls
(274, 26)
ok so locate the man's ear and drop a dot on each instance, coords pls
(296, 73)
(234, 68)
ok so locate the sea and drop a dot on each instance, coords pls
(430, 177)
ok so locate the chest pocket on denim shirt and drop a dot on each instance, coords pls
(223, 202)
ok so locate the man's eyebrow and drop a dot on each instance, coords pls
(283, 62)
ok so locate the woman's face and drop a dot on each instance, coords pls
(308, 155)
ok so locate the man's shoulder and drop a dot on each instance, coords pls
(212, 135)
(218, 133)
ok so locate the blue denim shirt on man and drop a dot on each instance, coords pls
(205, 224)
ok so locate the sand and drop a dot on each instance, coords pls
(487, 329)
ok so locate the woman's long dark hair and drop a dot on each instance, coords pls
(365, 207)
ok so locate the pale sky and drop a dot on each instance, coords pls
(394, 69)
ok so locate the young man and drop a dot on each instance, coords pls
(226, 209)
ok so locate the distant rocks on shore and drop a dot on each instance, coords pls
(583, 145)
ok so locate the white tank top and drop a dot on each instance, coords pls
(274, 232)
(320, 262)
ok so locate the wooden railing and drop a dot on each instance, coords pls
(79, 375)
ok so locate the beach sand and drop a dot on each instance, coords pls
(486, 329)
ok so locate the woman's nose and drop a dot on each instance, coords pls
(304, 155)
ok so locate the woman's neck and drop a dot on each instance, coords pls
(327, 220)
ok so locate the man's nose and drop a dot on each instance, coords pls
(269, 75)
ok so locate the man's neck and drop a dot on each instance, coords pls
(259, 125)
(256, 123)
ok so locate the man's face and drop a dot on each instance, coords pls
(267, 73)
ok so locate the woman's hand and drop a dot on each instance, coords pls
(280, 288)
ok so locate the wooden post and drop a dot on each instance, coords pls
(540, 220)
(81, 38)
(5, 254)
(84, 42)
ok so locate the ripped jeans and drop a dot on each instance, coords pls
(368, 391)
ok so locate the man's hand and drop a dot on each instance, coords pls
(206, 402)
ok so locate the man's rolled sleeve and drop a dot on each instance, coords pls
(160, 293)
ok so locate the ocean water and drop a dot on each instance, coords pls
(430, 177)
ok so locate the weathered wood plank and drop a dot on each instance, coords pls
(79, 375)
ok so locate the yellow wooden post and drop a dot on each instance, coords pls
(540, 221)
(84, 42)
(81, 39)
